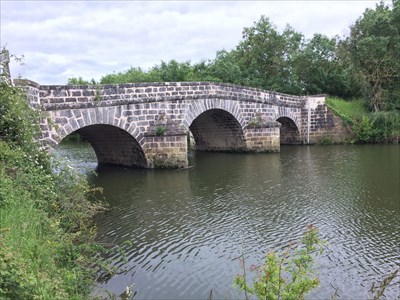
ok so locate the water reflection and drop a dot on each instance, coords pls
(188, 227)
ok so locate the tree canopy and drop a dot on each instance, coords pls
(364, 64)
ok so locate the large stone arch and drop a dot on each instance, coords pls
(68, 121)
(114, 146)
(114, 140)
(290, 126)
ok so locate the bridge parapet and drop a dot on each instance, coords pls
(55, 97)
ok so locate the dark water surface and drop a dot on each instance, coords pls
(187, 228)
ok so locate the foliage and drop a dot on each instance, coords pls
(348, 110)
(386, 126)
(165, 72)
(378, 291)
(363, 129)
(321, 70)
(18, 123)
(288, 275)
(265, 57)
(46, 248)
(81, 81)
(373, 48)
(160, 130)
(376, 127)
(326, 140)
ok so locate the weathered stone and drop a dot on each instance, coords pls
(221, 117)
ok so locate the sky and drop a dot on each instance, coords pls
(89, 39)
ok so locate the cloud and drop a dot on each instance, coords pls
(93, 38)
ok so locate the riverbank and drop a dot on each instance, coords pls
(367, 127)
(46, 232)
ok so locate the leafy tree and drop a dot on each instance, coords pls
(131, 75)
(225, 68)
(265, 57)
(173, 71)
(321, 70)
(373, 47)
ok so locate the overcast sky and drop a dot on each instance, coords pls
(63, 39)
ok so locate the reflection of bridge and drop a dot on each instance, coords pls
(147, 125)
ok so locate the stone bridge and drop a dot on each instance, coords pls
(150, 125)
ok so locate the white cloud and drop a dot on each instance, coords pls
(93, 38)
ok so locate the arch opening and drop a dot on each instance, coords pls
(113, 146)
(217, 130)
(289, 132)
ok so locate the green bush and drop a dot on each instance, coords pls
(46, 234)
(386, 126)
(363, 129)
(288, 275)
(376, 127)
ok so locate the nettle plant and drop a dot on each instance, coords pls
(287, 275)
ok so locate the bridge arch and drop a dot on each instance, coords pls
(69, 121)
(216, 125)
(114, 140)
(290, 126)
(217, 130)
(114, 146)
(195, 109)
(289, 132)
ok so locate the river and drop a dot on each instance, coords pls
(186, 229)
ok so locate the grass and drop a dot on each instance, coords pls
(46, 235)
(348, 110)
(369, 127)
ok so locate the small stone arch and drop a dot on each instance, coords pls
(288, 113)
(217, 130)
(289, 133)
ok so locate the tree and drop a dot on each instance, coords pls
(373, 47)
(80, 81)
(265, 57)
(225, 68)
(320, 69)
(287, 275)
(173, 71)
(131, 75)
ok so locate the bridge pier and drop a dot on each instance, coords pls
(263, 137)
(166, 144)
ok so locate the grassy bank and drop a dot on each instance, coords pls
(368, 127)
(46, 248)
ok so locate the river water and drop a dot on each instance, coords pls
(186, 229)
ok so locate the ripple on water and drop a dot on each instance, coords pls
(188, 228)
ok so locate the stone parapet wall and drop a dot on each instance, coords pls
(73, 96)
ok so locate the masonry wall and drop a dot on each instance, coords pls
(221, 117)
(326, 126)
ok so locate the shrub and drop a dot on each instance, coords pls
(46, 235)
(296, 263)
